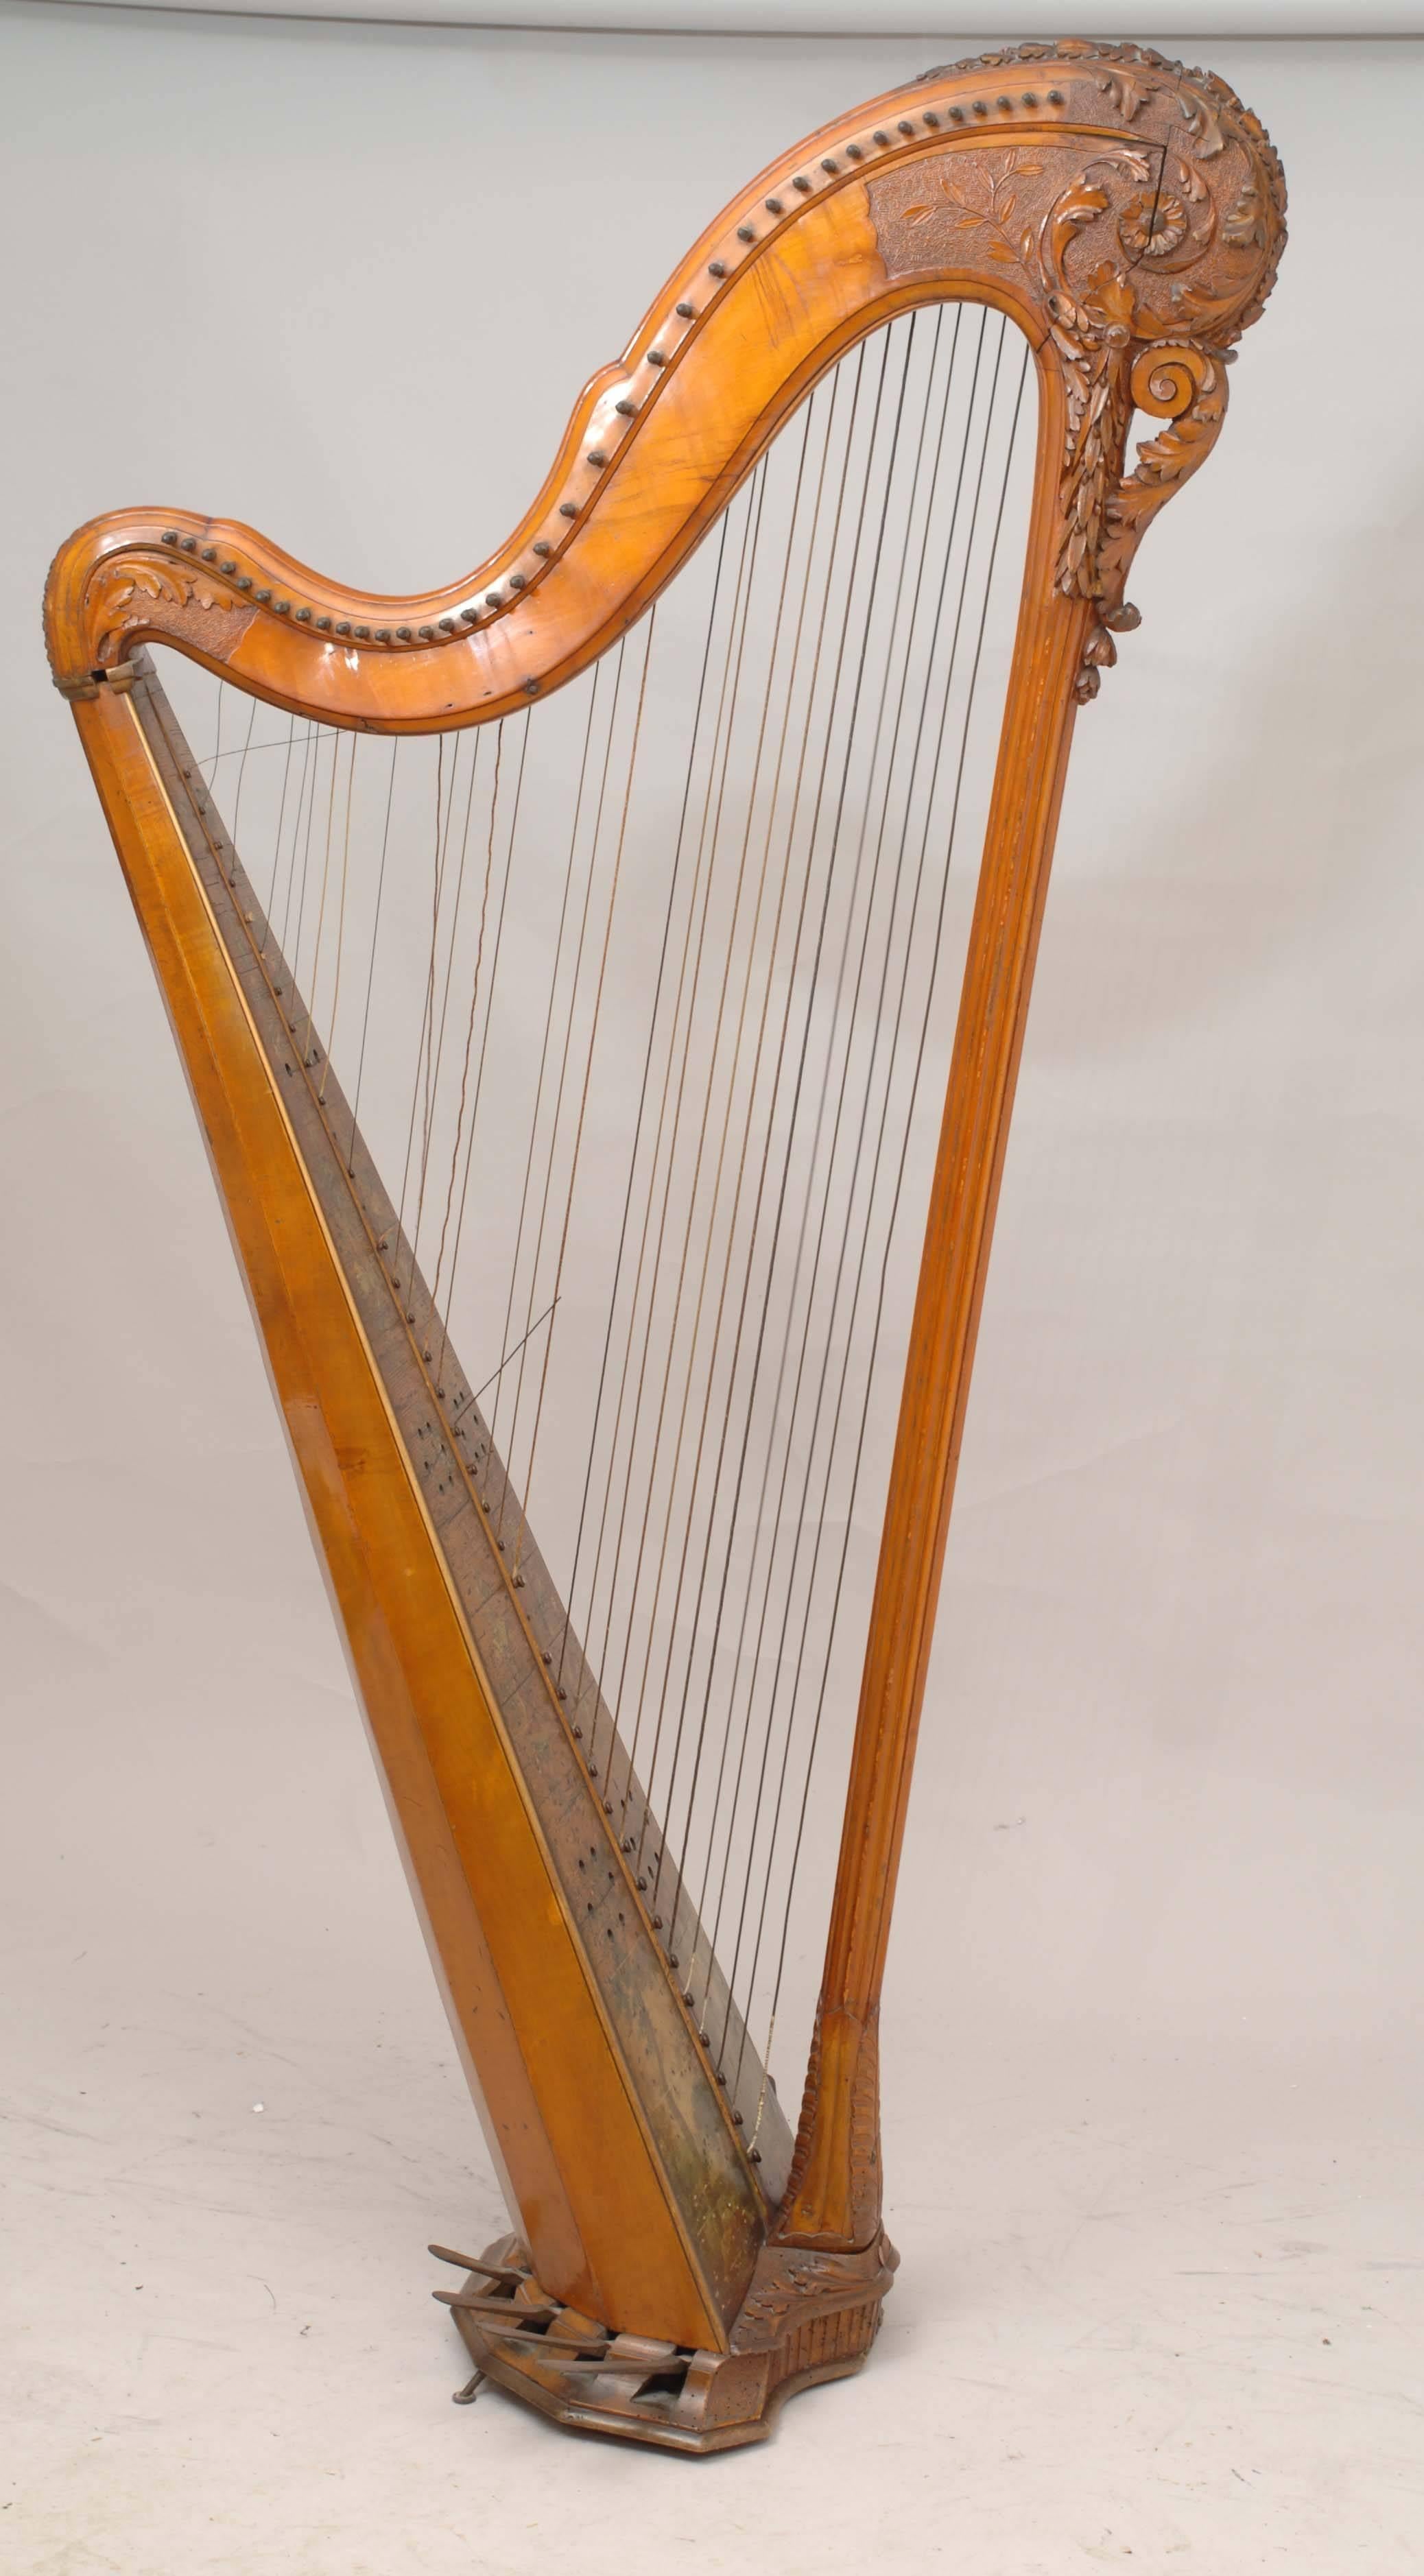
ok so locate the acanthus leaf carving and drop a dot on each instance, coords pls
(790, 2279)
(127, 596)
(1204, 126)
(1245, 227)
(1147, 261)
(1125, 95)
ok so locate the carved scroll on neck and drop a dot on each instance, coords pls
(1146, 226)
(1129, 214)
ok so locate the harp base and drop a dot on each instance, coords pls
(808, 2316)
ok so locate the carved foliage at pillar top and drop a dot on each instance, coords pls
(1146, 252)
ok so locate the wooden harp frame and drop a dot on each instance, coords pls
(1128, 216)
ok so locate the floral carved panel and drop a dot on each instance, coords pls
(1141, 227)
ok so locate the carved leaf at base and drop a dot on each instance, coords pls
(790, 2278)
(861, 2219)
(866, 2190)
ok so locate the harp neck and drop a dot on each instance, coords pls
(1056, 203)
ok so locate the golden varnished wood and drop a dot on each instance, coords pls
(957, 186)
(1128, 217)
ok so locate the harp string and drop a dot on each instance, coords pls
(303, 962)
(322, 746)
(300, 829)
(375, 938)
(674, 877)
(907, 336)
(475, 996)
(510, 845)
(730, 1230)
(914, 550)
(670, 1165)
(863, 513)
(435, 1034)
(802, 1518)
(340, 918)
(767, 706)
(781, 1584)
(420, 1087)
(528, 1477)
(682, 1033)
(673, 1392)
(236, 751)
(313, 974)
(708, 1083)
(830, 575)
(486, 877)
(705, 1077)
(241, 769)
(910, 549)
(433, 1082)
(277, 835)
(901, 1163)
(565, 1055)
(900, 1160)
(506, 1346)
(309, 753)
(297, 803)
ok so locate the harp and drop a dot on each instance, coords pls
(609, 1094)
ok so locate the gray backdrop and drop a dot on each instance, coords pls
(1151, 2097)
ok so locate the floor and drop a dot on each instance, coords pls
(1160, 2304)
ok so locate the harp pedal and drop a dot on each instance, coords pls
(808, 2316)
